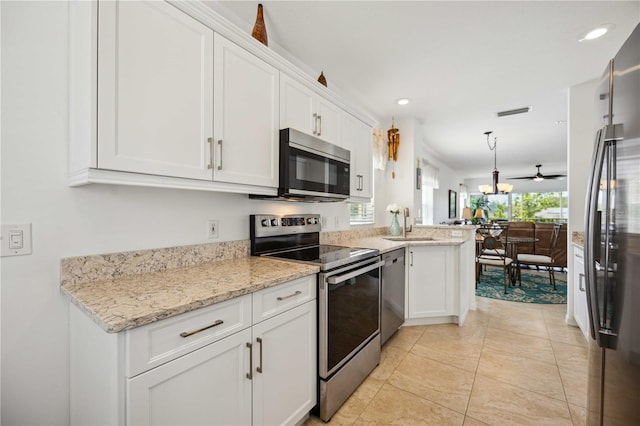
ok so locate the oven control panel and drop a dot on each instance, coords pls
(266, 225)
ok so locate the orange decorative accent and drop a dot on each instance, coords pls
(260, 29)
(322, 80)
(393, 137)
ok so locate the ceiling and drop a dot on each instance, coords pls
(458, 62)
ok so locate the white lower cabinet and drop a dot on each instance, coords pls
(432, 282)
(580, 313)
(205, 387)
(212, 366)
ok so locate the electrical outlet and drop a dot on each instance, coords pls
(212, 228)
(336, 221)
(456, 233)
(324, 222)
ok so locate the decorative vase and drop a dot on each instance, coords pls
(259, 29)
(394, 229)
(322, 80)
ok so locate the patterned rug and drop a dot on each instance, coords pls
(535, 287)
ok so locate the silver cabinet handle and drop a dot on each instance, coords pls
(250, 373)
(315, 124)
(259, 368)
(581, 282)
(210, 142)
(220, 155)
(289, 296)
(191, 333)
(320, 127)
(411, 262)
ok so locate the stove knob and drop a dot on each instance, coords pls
(311, 220)
(283, 222)
(274, 222)
(301, 221)
(265, 222)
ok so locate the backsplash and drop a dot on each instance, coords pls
(81, 269)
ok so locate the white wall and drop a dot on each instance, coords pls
(582, 125)
(74, 221)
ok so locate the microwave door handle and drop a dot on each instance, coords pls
(337, 279)
(590, 244)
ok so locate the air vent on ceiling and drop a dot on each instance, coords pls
(514, 111)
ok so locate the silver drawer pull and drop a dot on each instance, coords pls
(259, 368)
(580, 282)
(289, 296)
(191, 333)
(249, 375)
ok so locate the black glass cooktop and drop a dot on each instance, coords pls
(326, 256)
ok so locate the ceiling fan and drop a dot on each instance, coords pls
(539, 176)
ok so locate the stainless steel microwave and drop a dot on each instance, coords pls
(312, 169)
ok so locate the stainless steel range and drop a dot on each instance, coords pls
(348, 301)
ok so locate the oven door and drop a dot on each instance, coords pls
(307, 172)
(349, 312)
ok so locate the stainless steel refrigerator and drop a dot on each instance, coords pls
(612, 245)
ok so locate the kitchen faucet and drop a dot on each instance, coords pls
(405, 214)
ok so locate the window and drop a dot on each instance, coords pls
(523, 207)
(360, 213)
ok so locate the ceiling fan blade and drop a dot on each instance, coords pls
(521, 177)
(554, 176)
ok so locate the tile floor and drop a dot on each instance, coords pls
(511, 363)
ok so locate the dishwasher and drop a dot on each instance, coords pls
(392, 293)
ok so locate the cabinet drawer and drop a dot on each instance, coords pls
(154, 344)
(271, 301)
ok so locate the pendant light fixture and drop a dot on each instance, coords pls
(497, 187)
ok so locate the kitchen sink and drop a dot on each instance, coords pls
(411, 238)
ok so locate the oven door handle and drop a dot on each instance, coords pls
(337, 279)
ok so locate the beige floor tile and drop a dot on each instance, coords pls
(578, 415)
(459, 354)
(566, 334)
(521, 371)
(435, 381)
(571, 356)
(390, 357)
(535, 348)
(470, 333)
(496, 403)
(478, 316)
(525, 323)
(393, 406)
(406, 337)
(575, 385)
(358, 401)
(470, 421)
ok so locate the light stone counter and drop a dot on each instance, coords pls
(384, 245)
(577, 238)
(134, 300)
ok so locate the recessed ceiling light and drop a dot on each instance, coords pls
(402, 101)
(597, 32)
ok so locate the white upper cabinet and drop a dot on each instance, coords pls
(155, 90)
(245, 117)
(302, 109)
(357, 138)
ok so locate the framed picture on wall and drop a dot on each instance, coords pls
(453, 207)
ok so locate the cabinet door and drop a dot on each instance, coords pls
(581, 314)
(329, 121)
(246, 93)
(285, 366)
(357, 139)
(297, 106)
(155, 90)
(431, 286)
(205, 387)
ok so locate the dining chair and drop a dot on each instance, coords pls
(493, 252)
(544, 260)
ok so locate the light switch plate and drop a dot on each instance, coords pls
(15, 240)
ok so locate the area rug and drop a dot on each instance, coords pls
(535, 287)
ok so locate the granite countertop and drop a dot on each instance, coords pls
(134, 300)
(577, 238)
(384, 245)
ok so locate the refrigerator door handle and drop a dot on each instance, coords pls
(590, 224)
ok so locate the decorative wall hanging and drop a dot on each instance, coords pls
(322, 80)
(393, 142)
(260, 29)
